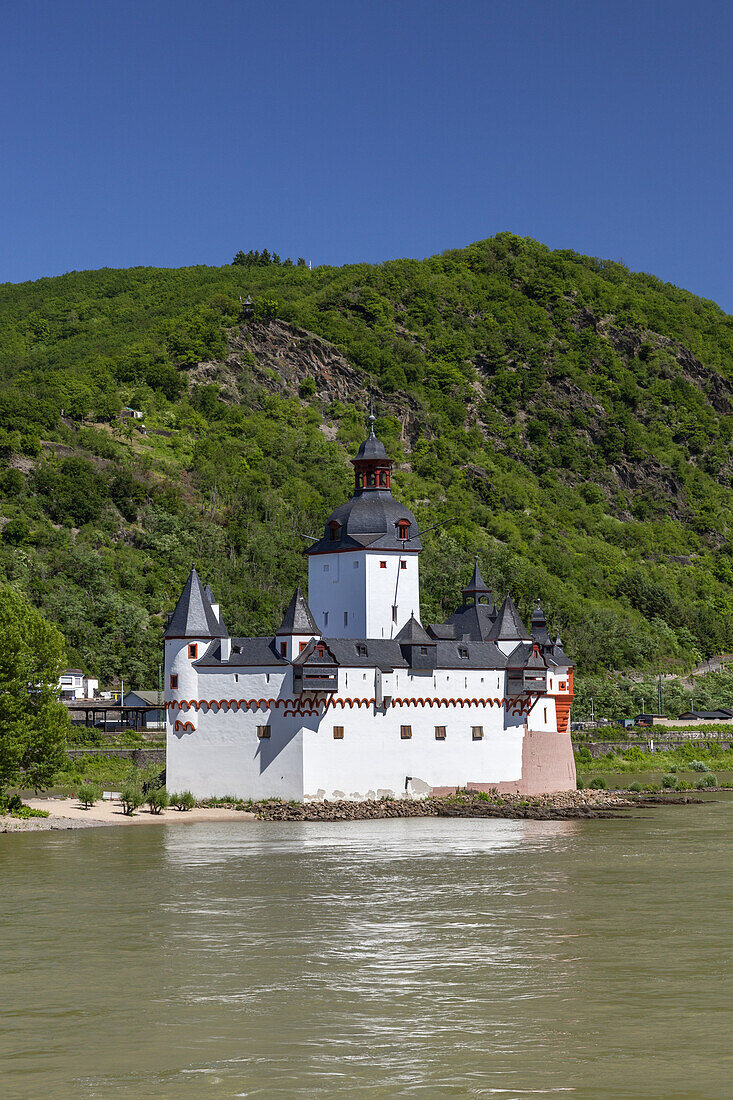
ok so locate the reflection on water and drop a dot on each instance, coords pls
(378, 959)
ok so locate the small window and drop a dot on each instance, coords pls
(405, 732)
(394, 613)
(283, 648)
(346, 618)
(382, 565)
(338, 733)
(334, 529)
(174, 681)
(562, 686)
(403, 565)
(424, 650)
(440, 733)
(463, 652)
(193, 652)
(545, 715)
(263, 732)
(361, 650)
(356, 565)
(325, 618)
(403, 528)
(477, 733)
(326, 568)
(301, 646)
(236, 678)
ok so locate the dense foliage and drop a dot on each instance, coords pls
(571, 419)
(33, 723)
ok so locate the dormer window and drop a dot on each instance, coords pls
(319, 651)
(334, 531)
(403, 529)
(463, 652)
(361, 650)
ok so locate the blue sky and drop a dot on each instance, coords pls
(169, 133)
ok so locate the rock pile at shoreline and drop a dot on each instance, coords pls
(556, 807)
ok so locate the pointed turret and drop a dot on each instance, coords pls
(418, 648)
(297, 618)
(297, 629)
(194, 616)
(538, 627)
(508, 630)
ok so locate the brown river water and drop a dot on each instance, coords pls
(415, 958)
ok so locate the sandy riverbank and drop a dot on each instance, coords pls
(68, 813)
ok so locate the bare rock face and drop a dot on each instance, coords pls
(282, 357)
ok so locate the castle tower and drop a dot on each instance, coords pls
(363, 579)
(191, 627)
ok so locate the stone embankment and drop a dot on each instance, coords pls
(556, 807)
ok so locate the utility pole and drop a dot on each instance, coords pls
(592, 718)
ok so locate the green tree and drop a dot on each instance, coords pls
(33, 723)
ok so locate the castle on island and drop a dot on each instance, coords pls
(353, 697)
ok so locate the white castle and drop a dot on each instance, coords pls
(353, 697)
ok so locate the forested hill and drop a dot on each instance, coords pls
(572, 420)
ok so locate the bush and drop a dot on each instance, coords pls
(669, 780)
(131, 798)
(183, 801)
(635, 787)
(88, 794)
(652, 788)
(708, 780)
(699, 766)
(583, 755)
(597, 783)
(158, 800)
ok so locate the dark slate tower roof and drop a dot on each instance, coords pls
(508, 626)
(477, 586)
(193, 616)
(538, 627)
(413, 633)
(297, 618)
(208, 593)
(371, 517)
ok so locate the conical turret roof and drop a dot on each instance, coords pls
(508, 626)
(413, 633)
(538, 626)
(193, 616)
(298, 618)
(477, 586)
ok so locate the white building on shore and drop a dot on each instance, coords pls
(353, 697)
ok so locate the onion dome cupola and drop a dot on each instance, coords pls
(194, 615)
(371, 518)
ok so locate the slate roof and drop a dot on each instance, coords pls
(477, 585)
(193, 616)
(443, 631)
(508, 626)
(372, 449)
(413, 633)
(474, 621)
(368, 518)
(245, 652)
(298, 618)
(538, 626)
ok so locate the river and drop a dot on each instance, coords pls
(415, 958)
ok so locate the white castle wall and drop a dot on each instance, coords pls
(358, 593)
(302, 759)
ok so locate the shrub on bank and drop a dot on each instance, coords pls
(669, 780)
(708, 780)
(131, 798)
(699, 766)
(597, 783)
(635, 787)
(158, 800)
(15, 807)
(183, 800)
(88, 794)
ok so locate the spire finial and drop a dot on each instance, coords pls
(372, 418)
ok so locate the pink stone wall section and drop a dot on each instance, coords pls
(548, 766)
